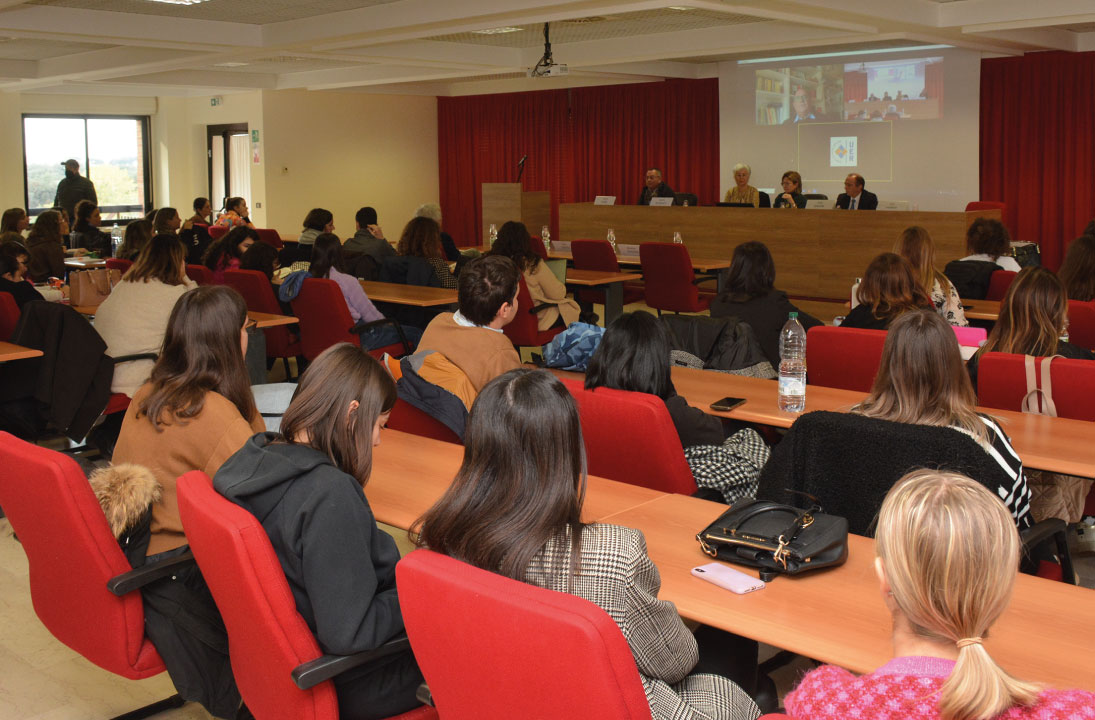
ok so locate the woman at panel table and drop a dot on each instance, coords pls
(515, 508)
(514, 242)
(1033, 319)
(743, 192)
(889, 290)
(1077, 272)
(305, 487)
(947, 559)
(792, 196)
(916, 246)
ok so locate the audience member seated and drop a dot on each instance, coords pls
(791, 196)
(14, 220)
(195, 411)
(167, 222)
(368, 238)
(86, 233)
(326, 260)
(46, 246)
(203, 211)
(305, 487)
(989, 241)
(133, 318)
(920, 382)
(316, 222)
(751, 296)
(916, 246)
(235, 214)
(514, 242)
(889, 290)
(1033, 317)
(137, 235)
(946, 565)
(226, 253)
(515, 509)
(1077, 272)
(433, 212)
(472, 338)
(262, 257)
(13, 266)
(422, 238)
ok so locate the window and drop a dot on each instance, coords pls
(113, 153)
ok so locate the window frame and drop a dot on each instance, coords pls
(146, 141)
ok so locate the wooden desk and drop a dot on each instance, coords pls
(703, 265)
(11, 351)
(83, 263)
(613, 283)
(410, 473)
(265, 320)
(818, 253)
(981, 309)
(837, 615)
(416, 295)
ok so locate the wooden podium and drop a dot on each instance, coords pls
(503, 202)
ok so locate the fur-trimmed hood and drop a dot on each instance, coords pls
(125, 493)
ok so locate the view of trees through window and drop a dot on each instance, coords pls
(112, 152)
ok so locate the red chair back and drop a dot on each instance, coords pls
(999, 283)
(324, 317)
(986, 205)
(1081, 324)
(538, 247)
(267, 636)
(9, 315)
(200, 274)
(494, 625)
(259, 296)
(1002, 383)
(72, 556)
(270, 237)
(630, 438)
(668, 274)
(409, 419)
(598, 255)
(119, 264)
(523, 330)
(216, 232)
(846, 358)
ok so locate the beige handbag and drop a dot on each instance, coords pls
(1052, 494)
(91, 287)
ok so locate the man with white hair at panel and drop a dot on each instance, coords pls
(433, 212)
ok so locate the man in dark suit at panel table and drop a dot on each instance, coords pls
(654, 187)
(855, 197)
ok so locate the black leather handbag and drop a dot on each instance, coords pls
(776, 539)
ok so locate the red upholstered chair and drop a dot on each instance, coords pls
(986, 205)
(630, 438)
(200, 274)
(999, 283)
(599, 255)
(1081, 323)
(9, 315)
(474, 632)
(325, 320)
(278, 665)
(409, 419)
(670, 279)
(216, 232)
(270, 237)
(258, 293)
(83, 588)
(119, 264)
(538, 247)
(1001, 383)
(776, 716)
(523, 330)
(845, 358)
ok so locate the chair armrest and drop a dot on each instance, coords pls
(135, 579)
(308, 675)
(1042, 531)
(535, 309)
(138, 356)
(358, 329)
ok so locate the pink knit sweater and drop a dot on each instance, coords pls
(906, 688)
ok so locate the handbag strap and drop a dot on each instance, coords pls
(759, 508)
(1039, 401)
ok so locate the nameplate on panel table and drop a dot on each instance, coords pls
(604, 200)
(661, 202)
(561, 246)
(627, 250)
(900, 205)
(818, 204)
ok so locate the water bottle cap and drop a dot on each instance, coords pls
(792, 315)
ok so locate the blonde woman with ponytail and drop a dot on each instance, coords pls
(948, 553)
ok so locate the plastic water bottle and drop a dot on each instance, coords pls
(492, 234)
(792, 365)
(612, 239)
(545, 235)
(116, 237)
(686, 203)
(677, 238)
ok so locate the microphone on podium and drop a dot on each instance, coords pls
(521, 166)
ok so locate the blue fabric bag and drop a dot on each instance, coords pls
(572, 348)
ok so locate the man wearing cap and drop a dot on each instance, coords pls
(73, 189)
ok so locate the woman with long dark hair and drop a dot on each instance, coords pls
(422, 238)
(916, 246)
(85, 231)
(1077, 272)
(46, 245)
(306, 488)
(226, 253)
(889, 289)
(515, 509)
(515, 243)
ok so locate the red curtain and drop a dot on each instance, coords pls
(855, 86)
(1038, 145)
(581, 143)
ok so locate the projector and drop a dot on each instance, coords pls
(555, 70)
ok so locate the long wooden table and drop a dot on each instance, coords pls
(818, 253)
(262, 320)
(981, 309)
(416, 295)
(11, 351)
(837, 615)
(613, 284)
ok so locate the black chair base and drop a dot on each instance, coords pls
(149, 710)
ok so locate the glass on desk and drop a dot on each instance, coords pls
(612, 239)
(677, 238)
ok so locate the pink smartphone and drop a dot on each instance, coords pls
(728, 578)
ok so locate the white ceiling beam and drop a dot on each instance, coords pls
(122, 28)
(120, 90)
(1044, 12)
(204, 79)
(1085, 42)
(18, 69)
(375, 75)
(436, 51)
(655, 69)
(1035, 38)
(1029, 24)
(917, 12)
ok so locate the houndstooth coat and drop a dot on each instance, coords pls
(617, 575)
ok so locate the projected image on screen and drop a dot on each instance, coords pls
(786, 96)
(910, 89)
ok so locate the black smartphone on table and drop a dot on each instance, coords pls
(727, 404)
